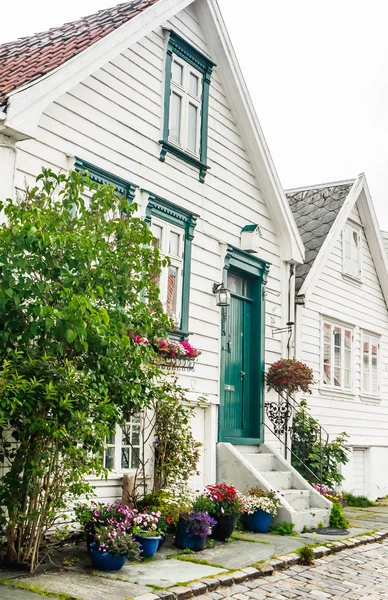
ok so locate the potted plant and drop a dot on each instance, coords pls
(260, 508)
(96, 514)
(290, 376)
(192, 530)
(146, 532)
(112, 547)
(224, 503)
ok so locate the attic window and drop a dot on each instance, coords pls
(186, 102)
(351, 251)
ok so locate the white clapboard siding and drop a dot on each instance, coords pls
(365, 419)
(113, 119)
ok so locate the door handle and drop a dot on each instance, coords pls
(242, 373)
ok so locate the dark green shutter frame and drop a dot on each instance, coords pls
(123, 187)
(175, 215)
(177, 45)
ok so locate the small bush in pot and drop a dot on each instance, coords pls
(260, 508)
(193, 529)
(112, 547)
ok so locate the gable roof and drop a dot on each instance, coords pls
(315, 209)
(340, 197)
(29, 58)
(20, 116)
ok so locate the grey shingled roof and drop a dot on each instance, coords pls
(315, 209)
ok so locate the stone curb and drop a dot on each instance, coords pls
(202, 586)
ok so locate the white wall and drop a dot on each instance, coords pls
(362, 306)
(113, 119)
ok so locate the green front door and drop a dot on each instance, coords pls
(241, 369)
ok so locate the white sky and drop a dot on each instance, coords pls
(317, 71)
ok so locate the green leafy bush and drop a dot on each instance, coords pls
(309, 450)
(337, 518)
(306, 555)
(76, 277)
(284, 528)
(359, 501)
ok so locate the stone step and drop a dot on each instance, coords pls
(263, 462)
(298, 499)
(280, 480)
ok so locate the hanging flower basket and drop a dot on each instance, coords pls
(177, 364)
(171, 354)
(290, 376)
(176, 355)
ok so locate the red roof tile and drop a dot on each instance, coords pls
(29, 58)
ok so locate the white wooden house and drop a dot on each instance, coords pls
(149, 96)
(341, 326)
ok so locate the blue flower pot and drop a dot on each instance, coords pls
(105, 561)
(259, 521)
(184, 540)
(149, 545)
(89, 540)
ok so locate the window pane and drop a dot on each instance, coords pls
(175, 118)
(327, 354)
(337, 357)
(192, 128)
(125, 458)
(111, 439)
(135, 435)
(173, 246)
(348, 360)
(172, 283)
(193, 84)
(157, 233)
(374, 373)
(177, 73)
(109, 458)
(135, 458)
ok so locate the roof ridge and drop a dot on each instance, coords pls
(321, 185)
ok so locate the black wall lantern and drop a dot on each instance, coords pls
(222, 294)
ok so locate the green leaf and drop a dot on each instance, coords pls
(70, 335)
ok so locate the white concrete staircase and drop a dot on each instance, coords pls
(260, 466)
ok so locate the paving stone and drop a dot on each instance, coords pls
(239, 576)
(165, 594)
(211, 583)
(251, 572)
(198, 587)
(225, 579)
(181, 592)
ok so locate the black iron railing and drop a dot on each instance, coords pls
(302, 437)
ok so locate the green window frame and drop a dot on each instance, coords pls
(123, 188)
(179, 217)
(178, 47)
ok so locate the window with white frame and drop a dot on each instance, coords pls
(185, 106)
(337, 356)
(351, 250)
(169, 239)
(370, 364)
(122, 448)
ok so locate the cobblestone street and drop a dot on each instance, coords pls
(356, 574)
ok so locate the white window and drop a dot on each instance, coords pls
(122, 448)
(337, 356)
(170, 241)
(351, 250)
(370, 364)
(185, 106)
